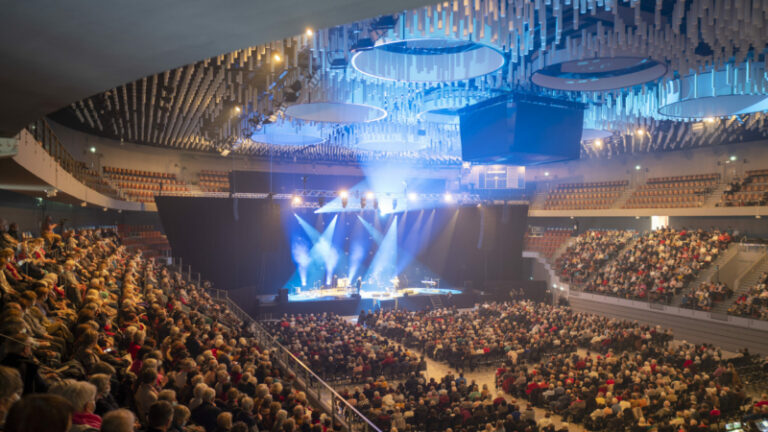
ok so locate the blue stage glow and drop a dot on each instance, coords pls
(383, 268)
(375, 233)
(300, 253)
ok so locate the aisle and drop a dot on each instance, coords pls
(484, 376)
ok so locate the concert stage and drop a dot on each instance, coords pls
(380, 295)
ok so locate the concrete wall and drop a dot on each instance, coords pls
(29, 213)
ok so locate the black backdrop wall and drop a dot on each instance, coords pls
(242, 243)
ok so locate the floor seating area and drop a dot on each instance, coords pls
(142, 186)
(213, 181)
(752, 190)
(583, 196)
(546, 240)
(673, 192)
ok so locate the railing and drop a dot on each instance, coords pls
(315, 387)
(748, 272)
(51, 144)
(42, 133)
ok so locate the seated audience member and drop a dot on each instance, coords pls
(119, 420)
(39, 412)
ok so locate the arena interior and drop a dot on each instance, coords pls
(384, 216)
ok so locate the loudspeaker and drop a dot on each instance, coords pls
(282, 295)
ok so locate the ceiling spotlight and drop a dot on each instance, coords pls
(369, 195)
(296, 200)
(546, 173)
(344, 194)
(344, 198)
(448, 198)
(276, 57)
(709, 119)
(637, 167)
(640, 131)
(599, 143)
(93, 149)
(412, 196)
(733, 158)
(309, 32)
(237, 109)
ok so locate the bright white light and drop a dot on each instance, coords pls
(412, 197)
(309, 32)
(237, 109)
(640, 131)
(369, 195)
(344, 194)
(93, 149)
(546, 173)
(709, 120)
(599, 143)
(276, 57)
(448, 198)
(296, 200)
(733, 158)
(637, 167)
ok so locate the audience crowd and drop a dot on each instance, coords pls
(705, 295)
(337, 350)
(753, 303)
(87, 328)
(590, 252)
(659, 264)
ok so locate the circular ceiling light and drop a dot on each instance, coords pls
(391, 146)
(428, 60)
(597, 74)
(588, 134)
(335, 112)
(726, 92)
(283, 135)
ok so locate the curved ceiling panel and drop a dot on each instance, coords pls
(56, 53)
(335, 112)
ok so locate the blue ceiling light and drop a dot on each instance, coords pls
(428, 60)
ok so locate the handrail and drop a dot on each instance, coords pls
(339, 405)
(347, 408)
(758, 262)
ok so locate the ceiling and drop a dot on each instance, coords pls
(53, 53)
(387, 84)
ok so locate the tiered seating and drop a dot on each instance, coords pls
(141, 185)
(659, 264)
(751, 191)
(213, 181)
(753, 303)
(673, 192)
(146, 238)
(591, 251)
(98, 183)
(585, 196)
(546, 241)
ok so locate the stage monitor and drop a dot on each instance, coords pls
(521, 130)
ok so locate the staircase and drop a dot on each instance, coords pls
(437, 302)
(708, 274)
(744, 284)
(715, 195)
(623, 198)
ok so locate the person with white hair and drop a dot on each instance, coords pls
(82, 396)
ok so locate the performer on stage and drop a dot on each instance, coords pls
(358, 285)
(395, 283)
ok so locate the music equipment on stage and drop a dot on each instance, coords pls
(431, 283)
(342, 283)
(521, 130)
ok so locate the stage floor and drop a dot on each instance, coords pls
(342, 293)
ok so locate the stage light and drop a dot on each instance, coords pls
(709, 119)
(309, 32)
(546, 173)
(599, 143)
(413, 197)
(448, 198)
(637, 167)
(296, 200)
(344, 194)
(640, 131)
(276, 57)
(369, 195)
(237, 109)
(93, 149)
(733, 158)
